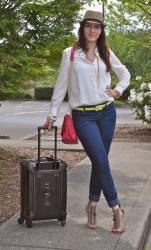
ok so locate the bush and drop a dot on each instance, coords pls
(45, 93)
(14, 95)
(134, 84)
(140, 102)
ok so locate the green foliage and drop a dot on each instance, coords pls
(9, 94)
(129, 49)
(129, 13)
(128, 24)
(55, 49)
(34, 33)
(30, 33)
(43, 93)
(140, 102)
(120, 103)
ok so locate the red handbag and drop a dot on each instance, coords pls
(68, 132)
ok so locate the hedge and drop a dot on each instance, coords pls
(45, 93)
(12, 95)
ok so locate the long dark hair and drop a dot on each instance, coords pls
(101, 45)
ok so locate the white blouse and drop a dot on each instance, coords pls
(86, 81)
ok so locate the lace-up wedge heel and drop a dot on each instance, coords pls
(118, 216)
(91, 214)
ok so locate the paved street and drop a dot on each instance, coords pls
(18, 119)
(21, 118)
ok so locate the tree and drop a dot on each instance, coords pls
(128, 25)
(128, 47)
(27, 28)
(129, 15)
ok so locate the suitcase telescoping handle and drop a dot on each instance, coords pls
(39, 143)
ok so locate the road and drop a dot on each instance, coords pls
(20, 119)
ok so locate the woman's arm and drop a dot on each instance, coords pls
(122, 73)
(61, 85)
(60, 90)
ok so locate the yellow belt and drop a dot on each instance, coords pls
(95, 108)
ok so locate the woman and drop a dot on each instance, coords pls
(91, 101)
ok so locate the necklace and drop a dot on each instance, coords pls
(91, 57)
(97, 72)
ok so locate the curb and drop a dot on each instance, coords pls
(27, 137)
(47, 145)
(4, 137)
(136, 236)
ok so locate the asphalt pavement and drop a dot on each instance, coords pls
(20, 119)
(131, 169)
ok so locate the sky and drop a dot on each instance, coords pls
(95, 6)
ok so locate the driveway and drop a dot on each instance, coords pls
(21, 118)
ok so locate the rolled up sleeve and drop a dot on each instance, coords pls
(121, 71)
(61, 85)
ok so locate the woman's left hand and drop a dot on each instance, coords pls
(112, 92)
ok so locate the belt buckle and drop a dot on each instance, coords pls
(98, 107)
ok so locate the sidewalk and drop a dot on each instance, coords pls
(131, 168)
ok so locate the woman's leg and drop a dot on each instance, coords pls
(96, 132)
(89, 134)
(106, 120)
(106, 123)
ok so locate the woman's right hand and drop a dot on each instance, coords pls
(49, 123)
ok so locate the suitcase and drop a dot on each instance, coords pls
(43, 188)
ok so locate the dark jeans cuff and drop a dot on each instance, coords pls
(113, 203)
(94, 197)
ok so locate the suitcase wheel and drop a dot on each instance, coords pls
(28, 222)
(20, 221)
(63, 223)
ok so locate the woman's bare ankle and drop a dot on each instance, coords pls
(115, 207)
(92, 203)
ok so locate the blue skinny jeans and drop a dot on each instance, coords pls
(95, 130)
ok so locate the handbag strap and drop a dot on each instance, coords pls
(72, 53)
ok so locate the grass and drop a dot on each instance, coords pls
(2, 173)
(2, 157)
